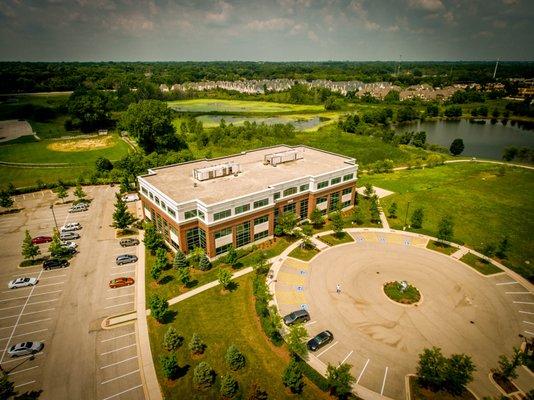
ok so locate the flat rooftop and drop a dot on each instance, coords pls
(177, 182)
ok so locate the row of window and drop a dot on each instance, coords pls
(161, 203)
(335, 181)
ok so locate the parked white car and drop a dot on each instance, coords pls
(69, 245)
(130, 197)
(71, 226)
(23, 349)
(78, 208)
(65, 236)
(22, 282)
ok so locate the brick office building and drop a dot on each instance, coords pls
(235, 200)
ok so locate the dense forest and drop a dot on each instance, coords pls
(17, 77)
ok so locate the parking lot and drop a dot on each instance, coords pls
(65, 310)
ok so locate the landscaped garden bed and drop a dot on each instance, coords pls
(483, 266)
(334, 239)
(304, 254)
(441, 247)
(506, 384)
(418, 392)
(402, 292)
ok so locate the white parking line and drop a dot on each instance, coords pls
(384, 382)
(26, 323)
(345, 359)
(24, 384)
(528, 322)
(363, 370)
(37, 287)
(27, 297)
(24, 370)
(507, 283)
(27, 333)
(52, 277)
(41, 302)
(9, 308)
(124, 391)
(526, 312)
(119, 377)
(22, 358)
(118, 305)
(310, 323)
(325, 350)
(523, 302)
(123, 273)
(517, 293)
(118, 362)
(117, 337)
(119, 349)
(122, 295)
(29, 313)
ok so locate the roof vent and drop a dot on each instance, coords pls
(215, 171)
(279, 158)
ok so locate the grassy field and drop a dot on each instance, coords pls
(22, 177)
(408, 296)
(222, 319)
(479, 264)
(239, 106)
(333, 240)
(441, 247)
(486, 205)
(303, 254)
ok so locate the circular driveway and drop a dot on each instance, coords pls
(461, 311)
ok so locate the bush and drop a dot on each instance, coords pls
(195, 345)
(234, 358)
(203, 375)
(172, 340)
(229, 386)
(292, 377)
(257, 393)
(158, 307)
(204, 263)
(320, 381)
(169, 365)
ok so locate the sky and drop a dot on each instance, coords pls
(268, 30)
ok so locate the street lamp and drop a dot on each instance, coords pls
(406, 216)
(54, 215)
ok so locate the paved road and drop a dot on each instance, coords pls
(80, 359)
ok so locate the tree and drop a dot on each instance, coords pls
(225, 277)
(180, 260)
(203, 375)
(296, 340)
(234, 358)
(79, 193)
(158, 307)
(503, 247)
(357, 215)
(103, 164)
(204, 263)
(172, 340)
(61, 192)
(489, 250)
(445, 228)
(232, 257)
(316, 217)
(90, 109)
(261, 264)
(257, 393)
(340, 380)
(432, 369)
(417, 218)
(7, 388)
(373, 208)
(195, 345)
(406, 113)
(153, 239)
(287, 221)
(419, 139)
(508, 367)
(509, 153)
(459, 373)
(5, 199)
(56, 248)
(150, 123)
(184, 276)
(457, 147)
(29, 249)
(155, 271)
(453, 112)
(169, 365)
(393, 210)
(229, 386)
(432, 110)
(292, 377)
(122, 218)
(337, 223)
(368, 191)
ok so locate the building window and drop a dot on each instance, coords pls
(242, 236)
(242, 209)
(276, 196)
(175, 245)
(195, 237)
(201, 215)
(347, 191)
(163, 206)
(223, 232)
(261, 220)
(290, 191)
(322, 185)
(190, 214)
(261, 203)
(335, 181)
(345, 204)
(334, 201)
(171, 212)
(261, 235)
(151, 196)
(144, 190)
(222, 214)
(290, 208)
(348, 177)
(304, 209)
(305, 187)
(157, 200)
(223, 249)
(321, 200)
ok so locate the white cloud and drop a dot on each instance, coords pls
(221, 16)
(357, 7)
(313, 37)
(273, 24)
(427, 5)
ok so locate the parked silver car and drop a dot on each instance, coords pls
(71, 226)
(79, 208)
(125, 259)
(22, 282)
(68, 235)
(25, 348)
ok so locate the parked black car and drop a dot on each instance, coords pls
(129, 242)
(54, 263)
(320, 340)
(298, 316)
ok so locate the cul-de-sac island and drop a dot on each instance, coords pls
(341, 210)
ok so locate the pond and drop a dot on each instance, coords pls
(299, 124)
(481, 138)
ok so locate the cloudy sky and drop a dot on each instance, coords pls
(274, 30)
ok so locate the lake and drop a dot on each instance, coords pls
(299, 124)
(485, 140)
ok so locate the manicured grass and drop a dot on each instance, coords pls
(484, 204)
(333, 240)
(222, 319)
(421, 393)
(22, 177)
(482, 266)
(441, 247)
(409, 296)
(238, 106)
(303, 254)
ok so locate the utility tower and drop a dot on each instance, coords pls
(495, 70)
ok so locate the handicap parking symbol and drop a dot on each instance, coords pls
(303, 306)
(300, 288)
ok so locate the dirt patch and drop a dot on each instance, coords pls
(81, 144)
(12, 129)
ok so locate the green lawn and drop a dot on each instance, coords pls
(409, 295)
(333, 240)
(22, 177)
(222, 319)
(441, 247)
(485, 205)
(479, 264)
(303, 254)
(239, 106)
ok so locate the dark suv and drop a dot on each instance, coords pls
(320, 340)
(54, 263)
(296, 317)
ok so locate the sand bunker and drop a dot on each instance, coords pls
(12, 129)
(71, 145)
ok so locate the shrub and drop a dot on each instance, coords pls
(340, 380)
(169, 365)
(292, 377)
(232, 257)
(229, 386)
(172, 340)
(203, 375)
(204, 263)
(158, 307)
(180, 261)
(234, 358)
(195, 345)
(417, 218)
(225, 277)
(257, 393)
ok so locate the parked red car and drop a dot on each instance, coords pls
(120, 282)
(41, 239)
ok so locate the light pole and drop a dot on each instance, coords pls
(406, 216)
(54, 215)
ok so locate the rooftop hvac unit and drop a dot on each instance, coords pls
(215, 171)
(279, 158)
